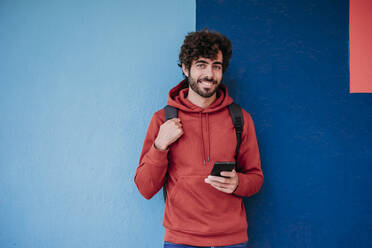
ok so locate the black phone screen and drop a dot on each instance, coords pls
(218, 167)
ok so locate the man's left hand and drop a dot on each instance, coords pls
(226, 184)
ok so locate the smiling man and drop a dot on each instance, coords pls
(205, 76)
(201, 210)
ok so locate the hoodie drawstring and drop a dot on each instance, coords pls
(209, 138)
(206, 157)
(202, 137)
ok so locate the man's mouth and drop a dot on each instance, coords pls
(208, 84)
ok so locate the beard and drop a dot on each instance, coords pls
(203, 92)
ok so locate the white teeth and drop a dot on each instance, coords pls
(207, 83)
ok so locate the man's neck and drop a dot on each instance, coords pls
(198, 100)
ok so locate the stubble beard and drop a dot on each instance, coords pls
(206, 93)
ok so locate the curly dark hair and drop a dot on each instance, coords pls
(205, 43)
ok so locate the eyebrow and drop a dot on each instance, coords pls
(205, 62)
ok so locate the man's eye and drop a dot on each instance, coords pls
(218, 67)
(200, 65)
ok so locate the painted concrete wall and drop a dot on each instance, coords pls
(290, 71)
(360, 44)
(79, 81)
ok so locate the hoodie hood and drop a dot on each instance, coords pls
(177, 98)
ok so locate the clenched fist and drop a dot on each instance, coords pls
(169, 132)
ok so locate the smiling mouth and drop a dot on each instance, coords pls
(207, 83)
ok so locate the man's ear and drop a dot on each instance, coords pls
(185, 70)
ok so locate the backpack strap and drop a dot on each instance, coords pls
(238, 120)
(170, 112)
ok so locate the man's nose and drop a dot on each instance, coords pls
(209, 72)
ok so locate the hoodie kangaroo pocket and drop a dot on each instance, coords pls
(196, 207)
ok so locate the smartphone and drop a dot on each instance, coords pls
(218, 167)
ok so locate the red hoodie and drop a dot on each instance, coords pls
(195, 212)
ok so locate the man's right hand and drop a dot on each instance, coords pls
(169, 132)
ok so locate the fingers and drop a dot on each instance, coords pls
(217, 183)
(218, 179)
(178, 134)
(227, 188)
(172, 124)
(227, 185)
(175, 120)
(168, 133)
(228, 173)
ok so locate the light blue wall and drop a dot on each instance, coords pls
(79, 81)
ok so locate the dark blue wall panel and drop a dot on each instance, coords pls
(290, 71)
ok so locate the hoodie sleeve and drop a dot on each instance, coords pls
(153, 163)
(249, 163)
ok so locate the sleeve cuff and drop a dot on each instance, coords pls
(157, 156)
(239, 191)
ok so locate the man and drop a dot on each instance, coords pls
(200, 209)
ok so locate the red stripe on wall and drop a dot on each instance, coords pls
(360, 28)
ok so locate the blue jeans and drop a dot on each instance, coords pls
(171, 245)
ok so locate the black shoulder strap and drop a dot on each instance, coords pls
(238, 120)
(170, 112)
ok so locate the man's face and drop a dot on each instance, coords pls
(205, 75)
